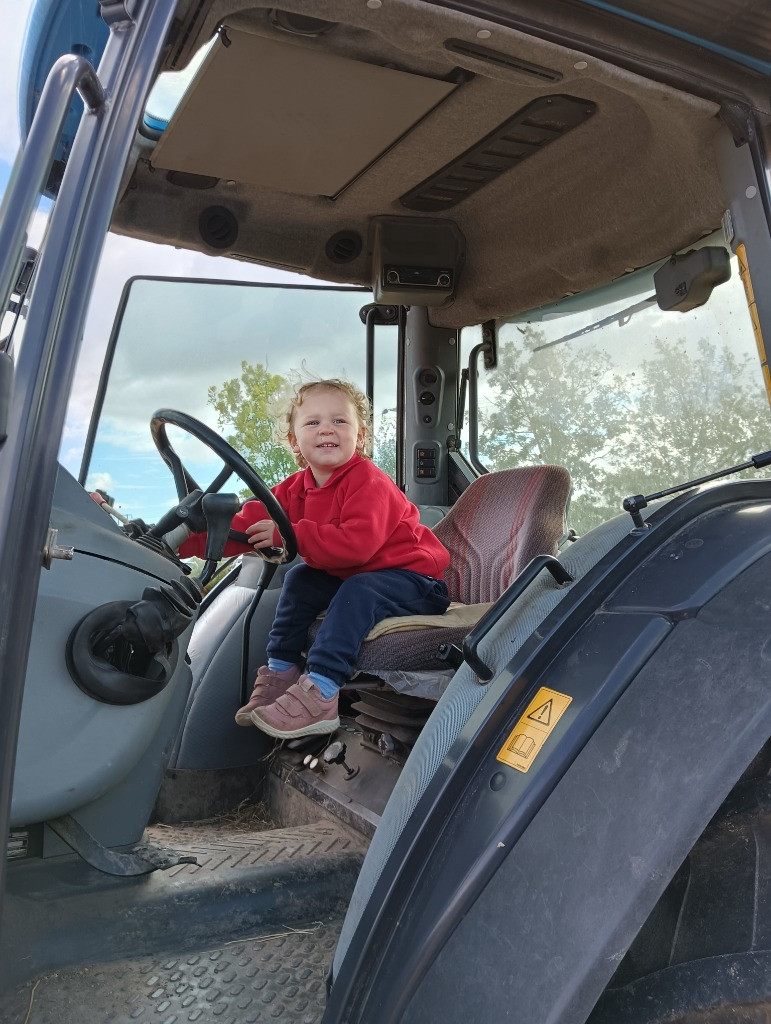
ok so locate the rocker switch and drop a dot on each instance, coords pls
(425, 462)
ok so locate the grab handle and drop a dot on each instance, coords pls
(493, 615)
(68, 75)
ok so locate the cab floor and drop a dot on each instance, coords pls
(278, 977)
(245, 935)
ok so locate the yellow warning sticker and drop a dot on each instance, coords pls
(533, 729)
(744, 274)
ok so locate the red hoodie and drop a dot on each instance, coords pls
(359, 521)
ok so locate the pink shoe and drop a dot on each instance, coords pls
(301, 711)
(268, 687)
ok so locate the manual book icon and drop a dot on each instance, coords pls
(522, 745)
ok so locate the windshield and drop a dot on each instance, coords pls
(642, 401)
(225, 354)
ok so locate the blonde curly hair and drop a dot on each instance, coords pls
(357, 398)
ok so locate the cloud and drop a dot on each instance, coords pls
(102, 482)
(191, 370)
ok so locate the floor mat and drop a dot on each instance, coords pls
(265, 906)
(278, 977)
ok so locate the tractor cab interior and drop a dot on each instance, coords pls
(532, 245)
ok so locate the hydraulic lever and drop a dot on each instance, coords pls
(218, 510)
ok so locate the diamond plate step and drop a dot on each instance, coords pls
(256, 981)
(217, 849)
(62, 913)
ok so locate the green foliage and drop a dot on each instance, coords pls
(559, 408)
(676, 417)
(244, 405)
(247, 407)
(197, 565)
(384, 442)
(694, 416)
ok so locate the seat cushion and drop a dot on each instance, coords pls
(416, 649)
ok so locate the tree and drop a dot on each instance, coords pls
(556, 407)
(677, 416)
(693, 416)
(244, 404)
(384, 442)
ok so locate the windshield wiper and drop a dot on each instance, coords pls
(621, 318)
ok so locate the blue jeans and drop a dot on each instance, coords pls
(353, 607)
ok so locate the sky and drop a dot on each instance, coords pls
(13, 18)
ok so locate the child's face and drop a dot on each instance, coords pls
(325, 431)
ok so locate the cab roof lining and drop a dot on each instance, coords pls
(633, 184)
(743, 26)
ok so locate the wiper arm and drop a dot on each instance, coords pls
(621, 318)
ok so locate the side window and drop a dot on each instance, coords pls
(630, 399)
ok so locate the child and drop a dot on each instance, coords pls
(366, 557)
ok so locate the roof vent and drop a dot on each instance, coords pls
(343, 247)
(530, 130)
(218, 227)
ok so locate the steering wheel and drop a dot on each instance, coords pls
(234, 463)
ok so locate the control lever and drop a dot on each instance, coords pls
(335, 754)
(218, 510)
(311, 761)
(187, 511)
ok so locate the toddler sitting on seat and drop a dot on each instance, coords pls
(365, 556)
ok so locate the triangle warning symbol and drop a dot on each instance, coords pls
(542, 715)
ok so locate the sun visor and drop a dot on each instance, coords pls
(286, 117)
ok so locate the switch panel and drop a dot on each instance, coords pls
(426, 462)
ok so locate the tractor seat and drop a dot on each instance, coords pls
(499, 523)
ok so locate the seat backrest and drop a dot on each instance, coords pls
(499, 523)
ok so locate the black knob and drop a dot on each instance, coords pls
(335, 754)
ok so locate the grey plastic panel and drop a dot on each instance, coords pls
(72, 748)
(119, 816)
(457, 705)
(210, 738)
(82, 523)
(617, 826)
(693, 716)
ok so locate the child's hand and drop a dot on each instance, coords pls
(261, 533)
